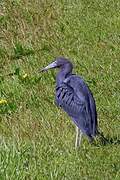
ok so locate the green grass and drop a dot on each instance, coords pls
(37, 138)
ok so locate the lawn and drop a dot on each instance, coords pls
(36, 137)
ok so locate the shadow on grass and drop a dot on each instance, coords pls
(113, 140)
(107, 141)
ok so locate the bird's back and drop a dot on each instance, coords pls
(74, 96)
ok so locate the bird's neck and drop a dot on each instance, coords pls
(63, 73)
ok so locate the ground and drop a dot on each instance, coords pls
(37, 138)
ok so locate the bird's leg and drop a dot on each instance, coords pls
(76, 141)
(78, 137)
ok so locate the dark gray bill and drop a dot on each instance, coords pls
(50, 66)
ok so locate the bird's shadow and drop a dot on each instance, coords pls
(108, 141)
(114, 140)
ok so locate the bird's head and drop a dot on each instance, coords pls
(59, 62)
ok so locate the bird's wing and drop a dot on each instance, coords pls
(76, 99)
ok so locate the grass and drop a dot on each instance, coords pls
(37, 138)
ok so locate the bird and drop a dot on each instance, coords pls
(75, 97)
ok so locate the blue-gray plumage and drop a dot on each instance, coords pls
(74, 96)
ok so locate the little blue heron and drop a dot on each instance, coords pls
(74, 96)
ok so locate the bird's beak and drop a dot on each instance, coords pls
(50, 66)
